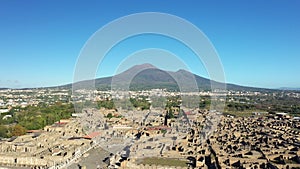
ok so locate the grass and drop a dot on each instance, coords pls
(164, 162)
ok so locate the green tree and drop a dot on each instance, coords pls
(109, 115)
(18, 130)
(141, 103)
(108, 104)
(3, 131)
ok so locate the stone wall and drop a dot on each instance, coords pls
(131, 165)
(22, 161)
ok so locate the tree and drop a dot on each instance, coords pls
(34, 118)
(108, 104)
(18, 130)
(170, 114)
(3, 131)
(109, 115)
(141, 103)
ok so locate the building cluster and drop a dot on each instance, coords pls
(200, 139)
(259, 141)
(193, 137)
(13, 98)
(271, 141)
(56, 146)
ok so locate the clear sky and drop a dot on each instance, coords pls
(257, 41)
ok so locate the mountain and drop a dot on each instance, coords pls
(147, 76)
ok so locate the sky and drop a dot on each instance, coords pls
(258, 42)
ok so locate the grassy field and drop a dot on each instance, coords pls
(164, 161)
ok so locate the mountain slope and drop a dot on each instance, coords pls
(146, 76)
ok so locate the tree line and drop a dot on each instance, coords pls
(33, 118)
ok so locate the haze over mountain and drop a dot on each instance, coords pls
(147, 76)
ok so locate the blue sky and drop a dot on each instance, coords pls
(257, 41)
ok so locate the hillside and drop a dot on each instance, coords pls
(146, 76)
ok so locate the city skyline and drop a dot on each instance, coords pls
(257, 42)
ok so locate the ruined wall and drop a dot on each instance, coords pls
(22, 161)
(131, 165)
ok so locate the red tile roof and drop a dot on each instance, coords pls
(92, 135)
(34, 131)
(188, 113)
